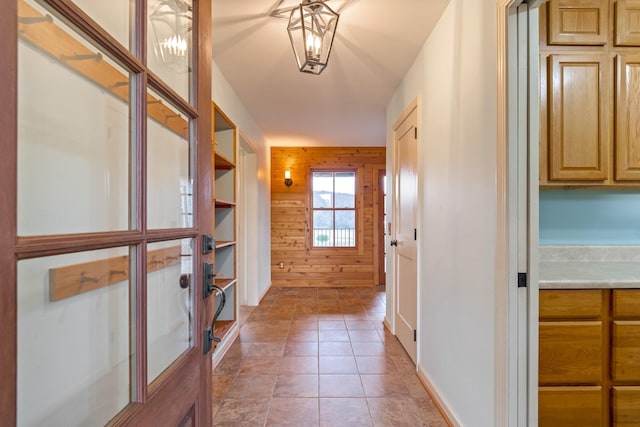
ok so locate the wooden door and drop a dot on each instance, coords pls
(583, 22)
(107, 195)
(627, 115)
(405, 233)
(579, 103)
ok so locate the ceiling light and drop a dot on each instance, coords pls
(171, 25)
(312, 26)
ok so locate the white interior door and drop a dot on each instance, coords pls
(405, 232)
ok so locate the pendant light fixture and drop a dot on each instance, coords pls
(171, 25)
(312, 26)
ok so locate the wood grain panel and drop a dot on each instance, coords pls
(571, 353)
(626, 303)
(571, 304)
(628, 117)
(571, 407)
(626, 406)
(578, 122)
(625, 354)
(627, 22)
(290, 218)
(72, 280)
(578, 22)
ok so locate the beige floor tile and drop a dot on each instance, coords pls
(301, 348)
(242, 412)
(344, 412)
(384, 386)
(220, 385)
(261, 349)
(364, 336)
(264, 365)
(368, 348)
(341, 386)
(332, 325)
(299, 365)
(299, 412)
(296, 386)
(324, 336)
(251, 385)
(375, 365)
(340, 348)
(337, 365)
(395, 412)
(430, 413)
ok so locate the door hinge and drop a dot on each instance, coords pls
(415, 234)
(415, 335)
(415, 133)
(522, 280)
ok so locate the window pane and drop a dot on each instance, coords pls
(74, 338)
(323, 228)
(322, 189)
(169, 185)
(345, 228)
(170, 293)
(169, 42)
(73, 133)
(345, 190)
(112, 15)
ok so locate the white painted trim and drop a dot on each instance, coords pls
(506, 371)
(440, 402)
(388, 325)
(225, 344)
(264, 293)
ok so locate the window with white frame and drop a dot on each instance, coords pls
(333, 208)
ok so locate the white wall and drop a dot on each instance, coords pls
(454, 77)
(224, 96)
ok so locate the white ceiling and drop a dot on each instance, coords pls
(376, 42)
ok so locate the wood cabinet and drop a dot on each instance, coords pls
(589, 357)
(590, 93)
(578, 22)
(224, 165)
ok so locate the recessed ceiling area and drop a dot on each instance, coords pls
(375, 44)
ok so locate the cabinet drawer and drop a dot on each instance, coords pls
(570, 353)
(626, 303)
(571, 304)
(578, 22)
(626, 406)
(625, 356)
(570, 407)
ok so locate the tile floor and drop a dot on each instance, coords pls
(319, 357)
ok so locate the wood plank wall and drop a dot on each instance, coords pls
(291, 218)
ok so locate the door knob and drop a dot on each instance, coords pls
(394, 243)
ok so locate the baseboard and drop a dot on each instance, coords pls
(448, 415)
(261, 297)
(222, 347)
(387, 324)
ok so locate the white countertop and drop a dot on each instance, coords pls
(589, 274)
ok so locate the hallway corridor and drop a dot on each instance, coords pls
(319, 357)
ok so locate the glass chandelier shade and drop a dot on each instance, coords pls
(312, 26)
(171, 24)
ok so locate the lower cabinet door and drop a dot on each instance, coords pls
(579, 406)
(571, 353)
(626, 406)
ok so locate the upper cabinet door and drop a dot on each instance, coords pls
(578, 117)
(628, 23)
(578, 22)
(628, 117)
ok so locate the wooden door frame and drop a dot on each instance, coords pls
(149, 402)
(379, 231)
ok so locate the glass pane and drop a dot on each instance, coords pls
(169, 42)
(322, 228)
(169, 303)
(169, 185)
(345, 228)
(73, 132)
(75, 330)
(322, 189)
(345, 190)
(112, 15)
